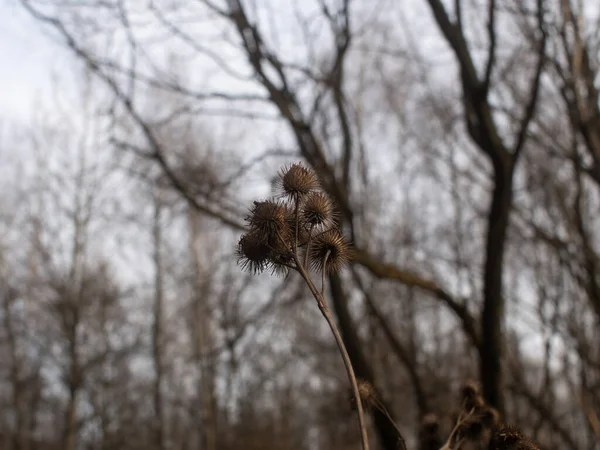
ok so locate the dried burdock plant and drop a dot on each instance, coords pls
(478, 422)
(297, 230)
(253, 252)
(296, 181)
(317, 210)
(329, 252)
(369, 399)
(511, 438)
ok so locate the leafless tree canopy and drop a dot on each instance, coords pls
(460, 143)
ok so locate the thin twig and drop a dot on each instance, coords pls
(308, 246)
(323, 273)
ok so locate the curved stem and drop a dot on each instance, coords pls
(323, 274)
(381, 407)
(351, 376)
(320, 298)
(341, 346)
(307, 251)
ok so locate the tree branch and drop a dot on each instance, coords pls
(491, 46)
(391, 272)
(535, 84)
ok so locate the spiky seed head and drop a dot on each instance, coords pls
(253, 253)
(527, 444)
(296, 181)
(281, 263)
(267, 216)
(510, 437)
(367, 393)
(269, 220)
(317, 210)
(332, 244)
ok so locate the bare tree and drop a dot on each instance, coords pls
(464, 166)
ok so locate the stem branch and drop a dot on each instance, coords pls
(341, 346)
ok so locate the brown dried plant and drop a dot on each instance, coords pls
(297, 230)
(480, 423)
(369, 399)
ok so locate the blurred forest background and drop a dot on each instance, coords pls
(461, 141)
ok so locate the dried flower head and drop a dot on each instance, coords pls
(474, 422)
(317, 210)
(296, 181)
(253, 253)
(510, 437)
(281, 263)
(268, 218)
(471, 396)
(329, 252)
(367, 393)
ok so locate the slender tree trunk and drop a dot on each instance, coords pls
(72, 302)
(203, 343)
(157, 330)
(71, 319)
(18, 437)
(70, 440)
(490, 351)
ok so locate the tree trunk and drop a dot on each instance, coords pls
(490, 351)
(203, 343)
(157, 331)
(18, 435)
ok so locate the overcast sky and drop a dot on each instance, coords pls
(28, 61)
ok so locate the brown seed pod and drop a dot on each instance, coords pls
(317, 210)
(281, 263)
(269, 221)
(527, 444)
(333, 245)
(510, 437)
(296, 181)
(471, 396)
(367, 393)
(470, 389)
(253, 253)
(267, 216)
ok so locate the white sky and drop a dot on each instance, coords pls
(28, 60)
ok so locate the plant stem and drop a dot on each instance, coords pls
(342, 348)
(350, 370)
(320, 298)
(307, 251)
(323, 274)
